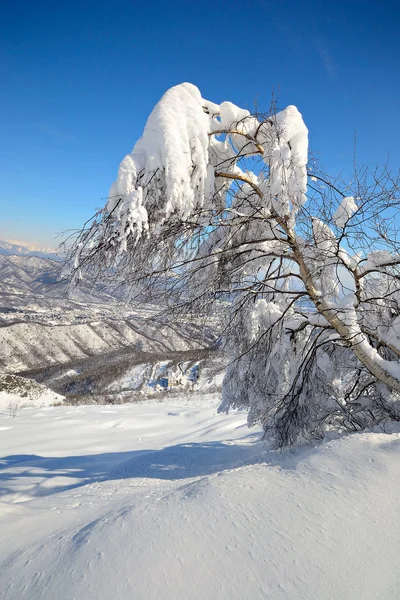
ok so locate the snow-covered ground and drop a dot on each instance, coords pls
(12, 403)
(170, 500)
(17, 393)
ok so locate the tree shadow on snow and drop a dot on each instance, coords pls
(34, 475)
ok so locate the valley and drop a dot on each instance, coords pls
(88, 345)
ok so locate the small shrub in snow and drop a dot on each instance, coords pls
(12, 408)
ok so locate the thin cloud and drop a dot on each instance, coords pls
(54, 132)
(326, 58)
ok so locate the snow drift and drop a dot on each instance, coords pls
(173, 501)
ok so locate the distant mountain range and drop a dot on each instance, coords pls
(86, 340)
(11, 249)
(25, 276)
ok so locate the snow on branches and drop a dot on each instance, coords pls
(180, 166)
(211, 210)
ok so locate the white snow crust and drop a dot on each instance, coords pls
(288, 173)
(345, 211)
(376, 260)
(14, 402)
(175, 141)
(170, 500)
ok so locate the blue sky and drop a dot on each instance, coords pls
(79, 79)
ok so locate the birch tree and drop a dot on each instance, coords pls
(219, 209)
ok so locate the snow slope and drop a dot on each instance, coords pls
(18, 392)
(26, 346)
(172, 501)
(39, 329)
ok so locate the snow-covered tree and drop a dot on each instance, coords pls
(217, 207)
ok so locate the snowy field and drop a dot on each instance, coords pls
(170, 500)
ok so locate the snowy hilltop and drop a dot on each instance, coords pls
(19, 392)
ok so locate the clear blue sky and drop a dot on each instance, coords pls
(79, 78)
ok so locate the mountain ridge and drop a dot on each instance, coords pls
(8, 248)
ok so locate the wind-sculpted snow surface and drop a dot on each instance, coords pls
(172, 501)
